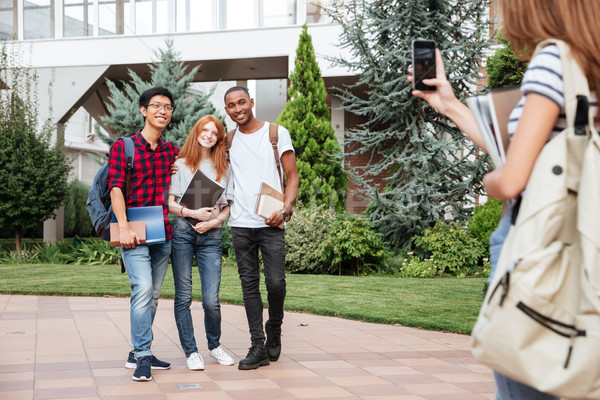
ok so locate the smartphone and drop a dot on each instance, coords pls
(423, 61)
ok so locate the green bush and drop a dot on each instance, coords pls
(413, 267)
(351, 242)
(77, 221)
(484, 221)
(452, 249)
(303, 235)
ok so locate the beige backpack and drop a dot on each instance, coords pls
(540, 320)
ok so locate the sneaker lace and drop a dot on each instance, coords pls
(144, 362)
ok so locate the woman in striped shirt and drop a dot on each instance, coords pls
(538, 117)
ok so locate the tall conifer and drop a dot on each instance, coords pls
(431, 169)
(306, 116)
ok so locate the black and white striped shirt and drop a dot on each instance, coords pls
(544, 77)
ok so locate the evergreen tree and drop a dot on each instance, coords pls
(504, 68)
(33, 177)
(431, 170)
(124, 117)
(306, 116)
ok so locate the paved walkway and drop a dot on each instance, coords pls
(75, 348)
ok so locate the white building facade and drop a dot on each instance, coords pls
(76, 45)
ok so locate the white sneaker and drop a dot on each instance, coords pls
(195, 362)
(220, 355)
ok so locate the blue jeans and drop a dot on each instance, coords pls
(146, 267)
(271, 242)
(206, 247)
(507, 388)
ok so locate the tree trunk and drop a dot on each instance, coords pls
(18, 239)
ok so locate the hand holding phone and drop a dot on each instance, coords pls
(423, 60)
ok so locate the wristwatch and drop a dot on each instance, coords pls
(286, 217)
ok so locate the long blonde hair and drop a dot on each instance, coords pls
(192, 151)
(576, 22)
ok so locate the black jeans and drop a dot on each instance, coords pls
(271, 242)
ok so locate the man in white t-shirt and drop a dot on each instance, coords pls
(252, 161)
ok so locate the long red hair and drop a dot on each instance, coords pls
(192, 151)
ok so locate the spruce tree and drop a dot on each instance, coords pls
(33, 177)
(432, 171)
(306, 116)
(124, 117)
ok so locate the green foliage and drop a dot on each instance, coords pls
(34, 171)
(303, 234)
(351, 243)
(92, 251)
(413, 267)
(320, 241)
(124, 117)
(485, 221)
(306, 116)
(503, 67)
(427, 163)
(452, 249)
(77, 220)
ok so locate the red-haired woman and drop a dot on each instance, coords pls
(204, 150)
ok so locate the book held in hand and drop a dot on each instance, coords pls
(491, 112)
(139, 227)
(201, 192)
(269, 201)
(153, 219)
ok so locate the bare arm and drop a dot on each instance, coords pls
(445, 102)
(535, 126)
(288, 160)
(127, 237)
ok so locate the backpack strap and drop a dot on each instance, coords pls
(274, 138)
(228, 142)
(129, 157)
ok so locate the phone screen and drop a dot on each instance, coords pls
(423, 59)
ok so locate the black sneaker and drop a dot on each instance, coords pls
(273, 341)
(155, 362)
(142, 371)
(257, 357)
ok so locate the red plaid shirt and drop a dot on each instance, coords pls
(150, 177)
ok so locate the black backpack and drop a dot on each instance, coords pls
(98, 202)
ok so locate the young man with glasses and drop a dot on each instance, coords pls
(146, 265)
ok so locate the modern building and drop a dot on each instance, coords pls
(76, 45)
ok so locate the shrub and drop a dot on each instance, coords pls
(303, 235)
(485, 221)
(413, 267)
(351, 242)
(452, 248)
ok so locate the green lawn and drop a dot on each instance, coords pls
(448, 304)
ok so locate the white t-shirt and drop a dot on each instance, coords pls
(252, 162)
(182, 178)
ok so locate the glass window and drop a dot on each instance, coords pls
(7, 19)
(278, 12)
(38, 19)
(76, 20)
(195, 16)
(241, 14)
(113, 17)
(151, 16)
